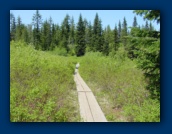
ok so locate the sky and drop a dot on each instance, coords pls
(108, 17)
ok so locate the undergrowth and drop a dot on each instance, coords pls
(119, 87)
(41, 86)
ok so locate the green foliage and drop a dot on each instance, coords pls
(135, 22)
(12, 27)
(149, 14)
(145, 46)
(37, 21)
(118, 85)
(97, 40)
(59, 51)
(148, 111)
(41, 86)
(46, 36)
(80, 38)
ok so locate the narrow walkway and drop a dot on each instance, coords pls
(90, 110)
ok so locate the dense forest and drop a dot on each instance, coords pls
(138, 45)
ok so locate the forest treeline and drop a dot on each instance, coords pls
(141, 43)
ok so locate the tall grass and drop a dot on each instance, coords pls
(119, 87)
(41, 86)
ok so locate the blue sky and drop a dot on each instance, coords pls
(108, 17)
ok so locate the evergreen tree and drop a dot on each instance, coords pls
(12, 27)
(124, 28)
(149, 14)
(124, 32)
(45, 36)
(147, 25)
(89, 37)
(148, 52)
(50, 31)
(30, 33)
(105, 49)
(151, 28)
(53, 38)
(119, 30)
(37, 21)
(72, 31)
(97, 34)
(18, 28)
(65, 32)
(135, 22)
(24, 34)
(58, 35)
(116, 39)
(80, 37)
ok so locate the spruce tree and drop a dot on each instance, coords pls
(65, 31)
(18, 28)
(124, 32)
(45, 36)
(97, 34)
(24, 33)
(105, 48)
(80, 38)
(72, 31)
(37, 21)
(119, 30)
(147, 25)
(116, 39)
(135, 22)
(12, 26)
(151, 28)
(89, 39)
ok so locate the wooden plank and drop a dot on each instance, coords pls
(84, 108)
(85, 87)
(96, 111)
(78, 84)
(90, 110)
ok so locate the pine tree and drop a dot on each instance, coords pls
(119, 30)
(72, 31)
(89, 38)
(12, 27)
(24, 34)
(30, 33)
(124, 32)
(18, 28)
(37, 21)
(65, 31)
(148, 52)
(45, 36)
(105, 48)
(124, 28)
(53, 38)
(116, 39)
(80, 37)
(135, 22)
(97, 34)
(147, 25)
(151, 28)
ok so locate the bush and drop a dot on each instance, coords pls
(118, 85)
(41, 86)
(148, 111)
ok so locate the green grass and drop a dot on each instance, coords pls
(41, 86)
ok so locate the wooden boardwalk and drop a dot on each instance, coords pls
(90, 110)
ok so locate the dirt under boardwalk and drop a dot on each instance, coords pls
(89, 108)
